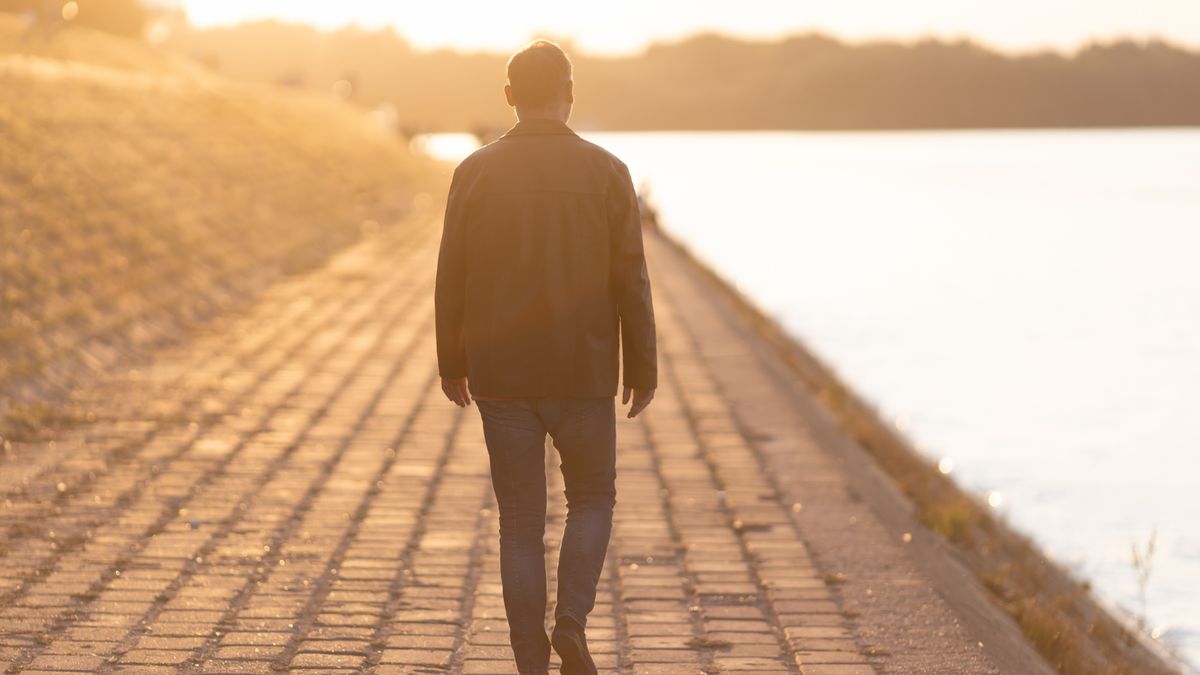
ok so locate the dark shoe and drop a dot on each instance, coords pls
(571, 645)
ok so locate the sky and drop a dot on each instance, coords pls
(625, 26)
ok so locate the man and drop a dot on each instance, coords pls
(541, 282)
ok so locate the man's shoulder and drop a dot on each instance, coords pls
(474, 159)
(501, 147)
(602, 154)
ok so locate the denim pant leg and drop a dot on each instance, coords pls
(516, 443)
(585, 434)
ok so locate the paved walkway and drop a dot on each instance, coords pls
(291, 491)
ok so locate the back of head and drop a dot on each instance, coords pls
(538, 74)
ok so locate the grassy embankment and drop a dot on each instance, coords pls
(139, 195)
(1055, 611)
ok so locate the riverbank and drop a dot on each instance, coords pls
(1056, 613)
(289, 489)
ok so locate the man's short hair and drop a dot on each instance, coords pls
(538, 73)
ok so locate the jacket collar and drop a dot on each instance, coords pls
(538, 126)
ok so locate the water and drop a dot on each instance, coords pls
(1025, 305)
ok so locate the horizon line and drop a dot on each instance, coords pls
(666, 41)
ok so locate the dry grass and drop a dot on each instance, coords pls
(139, 195)
(1056, 612)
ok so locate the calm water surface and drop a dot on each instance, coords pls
(1025, 305)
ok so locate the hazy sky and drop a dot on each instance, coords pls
(627, 25)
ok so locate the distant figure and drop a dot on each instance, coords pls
(541, 274)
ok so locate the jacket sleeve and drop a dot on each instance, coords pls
(450, 292)
(631, 282)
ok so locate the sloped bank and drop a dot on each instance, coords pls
(1055, 612)
(140, 195)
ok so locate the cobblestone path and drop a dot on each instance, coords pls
(290, 491)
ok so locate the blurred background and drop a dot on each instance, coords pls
(984, 216)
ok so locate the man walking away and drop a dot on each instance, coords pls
(541, 284)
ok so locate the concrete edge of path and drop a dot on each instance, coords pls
(1002, 639)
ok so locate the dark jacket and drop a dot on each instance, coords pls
(541, 268)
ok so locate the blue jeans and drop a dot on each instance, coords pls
(585, 434)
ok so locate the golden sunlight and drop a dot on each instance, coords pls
(816, 301)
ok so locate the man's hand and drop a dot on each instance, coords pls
(641, 399)
(456, 390)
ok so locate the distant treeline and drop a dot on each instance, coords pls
(715, 82)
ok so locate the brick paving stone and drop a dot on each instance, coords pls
(67, 648)
(155, 657)
(66, 662)
(326, 660)
(218, 665)
(268, 639)
(836, 669)
(290, 491)
(246, 652)
(815, 657)
(426, 657)
(420, 642)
